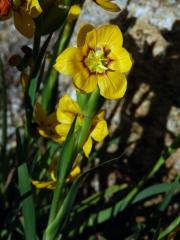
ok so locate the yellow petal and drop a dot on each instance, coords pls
(99, 116)
(82, 34)
(44, 184)
(24, 23)
(42, 132)
(87, 146)
(75, 172)
(32, 8)
(39, 115)
(65, 117)
(100, 131)
(122, 61)
(90, 40)
(109, 36)
(85, 83)
(112, 85)
(52, 169)
(108, 5)
(63, 129)
(69, 61)
(67, 110)
(51, 119)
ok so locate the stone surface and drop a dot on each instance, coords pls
(160, 13)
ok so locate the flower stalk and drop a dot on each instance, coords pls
(70, 151)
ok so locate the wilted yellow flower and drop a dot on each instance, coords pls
(50, 184)
(99, 60)
(67, 110)
(46, 124)
(24, 13)
(108, 5)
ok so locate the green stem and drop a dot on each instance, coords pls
(36, 45)
(94, 104)
(52, 75)
(68, 154)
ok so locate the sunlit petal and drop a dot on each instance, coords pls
(87, 146)
(122, 61)
(69, 62)
(100, 131)
(109, 36)
(86, 82)
(112, 85)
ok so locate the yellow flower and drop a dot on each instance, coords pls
(108, 5)
(99, 60)
(67, 110)
(50, 184)
(46, 124)
(24, 13)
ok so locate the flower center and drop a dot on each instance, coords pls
(96, 61)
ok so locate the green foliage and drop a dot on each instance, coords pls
(28, 210)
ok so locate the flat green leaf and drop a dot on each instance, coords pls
(155, 189)
(67, 156)
(60, 220)
(27, 202)
(52, 19)
(174, 224)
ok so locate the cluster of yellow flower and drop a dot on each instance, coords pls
(57, 124)
(25, 12)
(98, 62)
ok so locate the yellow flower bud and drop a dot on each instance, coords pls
(74, 12)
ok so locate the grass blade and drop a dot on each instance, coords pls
(156, 189)
(175, 223)
(27, 203)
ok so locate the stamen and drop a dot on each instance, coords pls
(96, 61)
